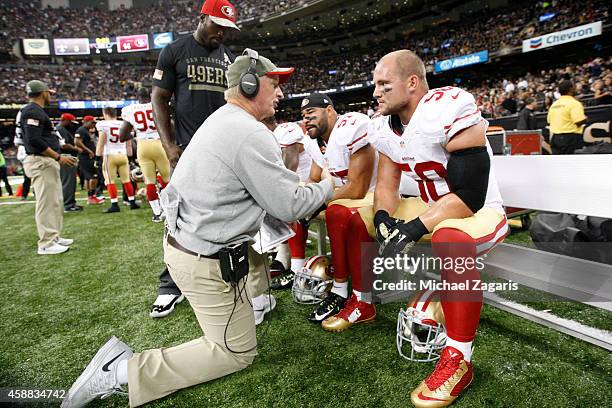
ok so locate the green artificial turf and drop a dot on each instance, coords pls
(57, 311)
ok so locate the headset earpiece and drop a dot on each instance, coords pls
(249, 81)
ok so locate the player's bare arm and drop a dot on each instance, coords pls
(101, 143)
(315, 173)
(291, 156)
(386, 195)
(361, 167)
(125, 131)
(160, 100)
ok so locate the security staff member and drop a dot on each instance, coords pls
(565, 119)
(87, 169)
(216, 199)
(42, 165)
(192, 70)
(526, 118)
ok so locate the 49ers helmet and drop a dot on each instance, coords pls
(311, 283)
(421, 325)
(136, 174)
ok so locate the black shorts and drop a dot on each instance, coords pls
(86, 168)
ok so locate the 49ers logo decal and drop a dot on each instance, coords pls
(228, 11)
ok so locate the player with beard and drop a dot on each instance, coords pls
(339, 143)
(437, 137)
(190, 72)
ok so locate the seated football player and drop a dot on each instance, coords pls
(291, 255)
(114, 156)
(437, 137)
(339, 143)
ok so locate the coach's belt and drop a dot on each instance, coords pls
(174, 243)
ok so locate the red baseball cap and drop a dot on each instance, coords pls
(221, 12)
(88, 117)
(67, 116)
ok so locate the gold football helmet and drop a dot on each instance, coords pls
(421, 325)
(312, 282)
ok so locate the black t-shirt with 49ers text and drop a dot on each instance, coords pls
(196, 75)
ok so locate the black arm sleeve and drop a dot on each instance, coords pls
(468, 175)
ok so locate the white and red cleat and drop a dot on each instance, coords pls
(354, 312)
(450, 377)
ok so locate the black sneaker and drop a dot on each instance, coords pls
(73, 208)
(329, 306)
(112, 209)
(157, 218)
(134, 206)
(282, 282)
(276, 268)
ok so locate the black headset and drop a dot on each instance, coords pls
(249, 81)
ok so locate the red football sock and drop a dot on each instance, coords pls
(161, 182)
(461, 308)
(297, 243)
(362, 252)
(129, 190)
(337, 220)
(152, 192)
(112, 191)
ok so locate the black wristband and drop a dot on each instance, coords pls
(417, 228)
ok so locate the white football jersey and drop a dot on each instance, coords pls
(420, 150)
(350, 133)
(111, 129)
(140, 116)
(288, 134)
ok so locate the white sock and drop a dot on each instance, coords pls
(465, 347)
(130, 198)
(340, 289)
(113, 200)
(122, 372)
(283, 255)
(363, 296)
(155, 207)
(297, 264)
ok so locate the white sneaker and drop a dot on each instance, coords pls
(99, 379)
(53, 249)
(164, 305)
(263, 304)
(64, 241)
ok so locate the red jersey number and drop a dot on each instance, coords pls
(144, 119)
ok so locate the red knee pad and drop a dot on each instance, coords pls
(297, 243)
(461, 308)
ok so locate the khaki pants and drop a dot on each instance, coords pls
(45, 175)
(154, 374)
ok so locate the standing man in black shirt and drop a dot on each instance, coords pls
(526, 117)
(192, 70)
(85, 142)
(68, 173)
(42, 165)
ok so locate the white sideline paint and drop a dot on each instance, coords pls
(572, 184)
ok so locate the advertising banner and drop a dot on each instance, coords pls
(160, 40)
(562, 37)
(463, 61)
(36, 46)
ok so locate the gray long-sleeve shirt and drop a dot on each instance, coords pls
(229, 176)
